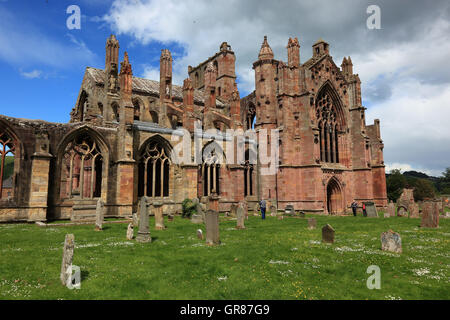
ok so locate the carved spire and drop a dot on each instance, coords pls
(293, 49)
(126, 77)
(266, 51)
(112, 51)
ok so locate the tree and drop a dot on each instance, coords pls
(395, 184)
(443, 184)
(423, 188)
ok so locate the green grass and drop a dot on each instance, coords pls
(271, 259)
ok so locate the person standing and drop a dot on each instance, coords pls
(354, 205)
(262, 205)
(364, 209)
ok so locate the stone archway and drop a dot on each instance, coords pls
(334, 197)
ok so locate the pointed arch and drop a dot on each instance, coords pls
(82, 165)
(154, 168)
(212, 158)
(10, 159)
(334, 196)
(330, 119)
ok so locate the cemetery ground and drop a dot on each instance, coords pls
(271, 259)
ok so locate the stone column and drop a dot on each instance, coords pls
(144, 232)
(212, 228)
(430, 214)
(69, 245)
(159, 218)
(213, 201)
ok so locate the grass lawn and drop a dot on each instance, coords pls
(271, 259)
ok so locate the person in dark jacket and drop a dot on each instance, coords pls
(262, 205)
(354, 205)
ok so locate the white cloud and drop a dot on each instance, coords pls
(34, 74)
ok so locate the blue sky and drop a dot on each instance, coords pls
(403, 66)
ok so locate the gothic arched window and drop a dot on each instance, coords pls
(154, 170)
(210, 170)
(249, 189)
(328, 124)
(82, 167)
(7, 152)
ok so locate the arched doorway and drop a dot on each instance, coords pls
(334, 197)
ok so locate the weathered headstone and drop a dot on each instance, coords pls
(240, 213)
(130, 232)
(99, 215)
(197, 219)
(200, 208)
(256, 209)
(200, 234)
(69, 245)
(371, 210)
(430, 215)
(414, 210)
(159, 217)
(312, 223)
(233, 209)
(135, 219)
(289, 210)
(390, 210)
(212, 228)
(144, 228)
(328, 234)
(391, 241)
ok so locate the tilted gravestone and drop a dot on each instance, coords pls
(391, 241)
(212, 228)
(135, 219)
(144, 228)
(130, 231)
(430, 215)
(240, 213)
(371, 209)
(312, 223)
(99, 215)
(159, 217)
(328, 234)
(414, 210)
(69, 245)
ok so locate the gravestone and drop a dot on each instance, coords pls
(213, 201)
(390, 210)
(301, 214)
(273, 209)
(328, 234)
(233, 209)
(212, 228)
(144, 228)
(200, 208)
(170, 217)
(391, 241)
(200, 234)
(135, 219)
(99, 215)
(130, 232)
(312, 223)
(414, 210)
(159, 217)
(371, 210)
(240, 213)
(256, 209)
(289, 210)
(430, 215)
(280, 217)
(69, 245)
(197, 219)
